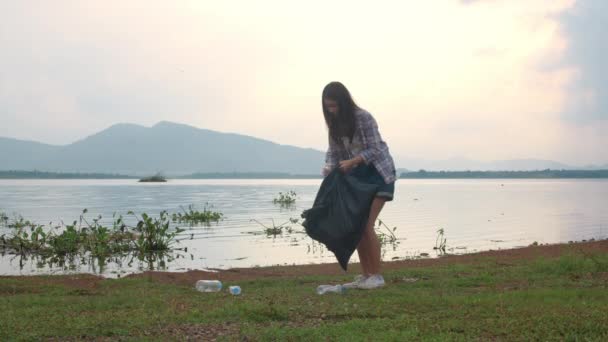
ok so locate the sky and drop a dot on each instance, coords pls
(480, 79)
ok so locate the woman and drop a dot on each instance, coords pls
(356, 147)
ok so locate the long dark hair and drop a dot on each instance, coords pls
(343, 124)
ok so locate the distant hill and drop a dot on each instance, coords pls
(173, 149)
(464, 164)
(16, 174)
(506, 174)
(180, 150)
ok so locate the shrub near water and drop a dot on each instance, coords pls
(154, 234)
(26, 237)
(149, 235)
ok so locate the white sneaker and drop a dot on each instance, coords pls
(356, 283)
(372, 282)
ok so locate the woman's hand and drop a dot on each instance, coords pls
(347, 165)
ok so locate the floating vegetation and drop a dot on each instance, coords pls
(193, 216)
(84, 238)
(154, 234)
(285, 200)
(440, 242)
(275, 230)
(156, 178)
(26, 237)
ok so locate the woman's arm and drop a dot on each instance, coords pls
(371, 138)
(332, 157)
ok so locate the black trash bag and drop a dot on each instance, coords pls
(339, 214)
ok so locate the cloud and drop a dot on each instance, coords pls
(442, 78)
(70, 69)
(584, 27)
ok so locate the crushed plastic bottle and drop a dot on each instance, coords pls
(323, 289)
(208, 285)
(235, 290)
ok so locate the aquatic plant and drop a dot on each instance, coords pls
(83, 237)
(385, 234)
(275, 230)
(440, 241)
(285, 199)
(194, 216)
(156, 178)
(26, 236)
(154, 234)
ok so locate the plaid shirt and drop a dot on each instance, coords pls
(370, 147)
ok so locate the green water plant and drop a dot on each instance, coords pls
(157, 178)
(274, 229)
(92, 238)
(440, 241)
(25, 236)
(154, 234)
(286, 199)
(386, 235)
(193, 216)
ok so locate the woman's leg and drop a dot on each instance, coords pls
(369, 246)
(363, 259)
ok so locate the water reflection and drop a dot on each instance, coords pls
(75, 263)
(475, 215)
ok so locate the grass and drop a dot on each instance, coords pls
(562, 298)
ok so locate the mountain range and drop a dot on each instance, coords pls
(178, 149)
(169, 148)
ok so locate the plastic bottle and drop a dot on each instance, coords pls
(323, 289)
(235, 290)
(209, 285)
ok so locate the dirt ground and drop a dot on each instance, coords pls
(501, 257)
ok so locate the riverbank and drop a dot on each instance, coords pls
(551, 292)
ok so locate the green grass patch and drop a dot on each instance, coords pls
(564, 298)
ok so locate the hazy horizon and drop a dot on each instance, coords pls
(477, 79)
(169, 135)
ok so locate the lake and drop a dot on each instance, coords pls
(475, 215)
